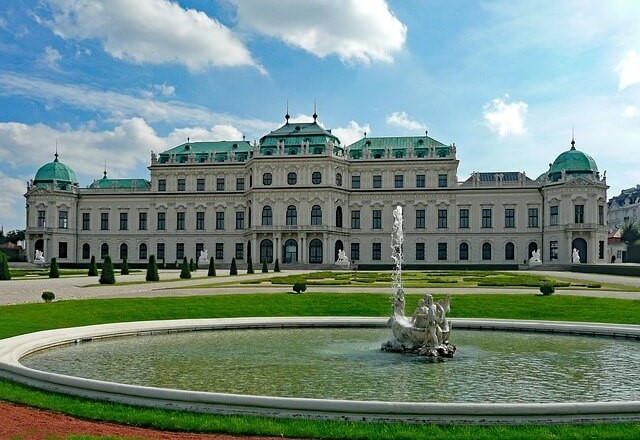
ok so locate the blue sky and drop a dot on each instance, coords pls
(109, 81)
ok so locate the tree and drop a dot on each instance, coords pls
(276, 267)
(5, 273)
(265, 269)
(249, 265)
(93, 267)
(107, 276)
(212, 268)
(54, 271)
(152, 269)
(124, 270)
(631, 236)
(185, 273)
(233, 270)
(192, 266)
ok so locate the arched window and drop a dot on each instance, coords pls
(509, 251)
(267, 216)
(464, 251)
(339, 217)
(292, 215)
(292, 178)
(86, 251)
(315, 251)
(104, 250)
(486, 251)
(267, 179)
(266, 251)
(316, 215)
(316, 178)
(142, 252)
(290, 251)
(124, 251)
(339, 179)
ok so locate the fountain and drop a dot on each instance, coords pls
(427, 332)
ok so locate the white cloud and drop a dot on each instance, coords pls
(402, 120)
(631, 111)
(354, 30)
(629, 70)
(51, 58)
(165, 89)
(3, 23)
(351, 133)
(505, 118)
(12, 201)
(151, 31)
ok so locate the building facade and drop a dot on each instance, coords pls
(299, 196)
(624, 208)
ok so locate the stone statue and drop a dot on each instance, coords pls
(535, 257)
(342, 260)
(204, 255)
(39, 259)
(575, 258)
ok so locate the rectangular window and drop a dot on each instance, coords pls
(162, 185)
(239, 183)
(179, 251)
(421, 221)
(579, 214)
(377, 181)
(124, 221)
(182, 184)
(420, 251)
(180, 220)
(200, 221)
(509, 218)
(398, 181)
(376, 251)
(442, 251)
(464, 218)
(355, 219)
(377, 219)
(355, 251)
(600, 214)
(62, 249)
(162, 221)
(219, 251)
(160, 251)
(41, 219)
(553, 215)
(553, 250)
(239, 251)
(220, 184)
(355, 182)
(63, 219)
(220, 220)
(486, 217)
(601, 249)
(442, 218)
(239, 219)
(533, 218)
(420, 181)
(442, 181)
(200, 184)
(86, 221)
(142, 221)
(104, 221)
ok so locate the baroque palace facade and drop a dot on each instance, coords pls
(300, 196)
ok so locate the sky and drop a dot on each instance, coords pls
(508, 81)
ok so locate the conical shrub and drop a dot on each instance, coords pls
(5, 273)
(107, 276)
(249, 265)
(185, 273)
(265, 269)
(276, 267)
(152, 269)
(54, 271)
(124, 270)
(192, 266)
(233, 270)
(212, 268)
(93, 267)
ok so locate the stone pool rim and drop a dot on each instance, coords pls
(15, 348)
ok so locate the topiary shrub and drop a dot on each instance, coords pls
(547, 287)
(249, 265)
(107, 276)
(265, 269)
(48, 297)
(93, 267)
(124, 269)
(54, 271)
(299, 287)
(276, 267)
(212, 268)
(152, 269)
(233, 270)
(185, 273)
(5, 273)
(192, 266)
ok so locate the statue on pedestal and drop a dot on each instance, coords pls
(575, 257)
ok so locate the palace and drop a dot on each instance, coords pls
(298, 195)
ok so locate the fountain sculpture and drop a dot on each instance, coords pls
(426, 333)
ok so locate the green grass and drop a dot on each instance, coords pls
(18, 319)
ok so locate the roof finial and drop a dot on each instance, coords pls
(315, 114)
(426, 132)
(105, 169)
(56, 155)
(287, 116)
(573, 141)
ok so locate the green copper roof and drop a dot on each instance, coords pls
(106, 183)
(398, 145)
(294, 134)
(55, 172)
(573, 161)
(201, 151)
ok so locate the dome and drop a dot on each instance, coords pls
(572, 163)
(55, 173)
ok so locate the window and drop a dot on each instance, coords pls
(509, 218)
(200, 220)
(199, 250)
(339, 179)
(86, 251)
(420, 218)
(162, 221)
(179, 251)
(533, 218)
(316, 215)
(600, 214)
(579, 214)
(124, 221)
(220, 184)
(316, 178)
(315, 251)
(377, 219)
(553, 215)
(292, 178)
(398, 181)
(464, 218)
(104, 250)
(162, 185)
(355, 219)
(355, 182)
(442, 218)
(41, 219)
(200, 184)
(267, 216)
(182, 184)
(142, 251)
(160, 251)
(486, 251)
(124, 251)
(464, 251)
(180, 221)
(377, 181)
(442, 251)
(376, 251)
(420, 181)
(266, 251)
(219, 251)
(442, 181)
(104, 221)
(553, 250)
(486, 217)
(239, 183)
(601, 249)
(142, 221)
(63, 219)
(339, 217)
(239, 251)
(220, 220)
(62, 249)
(355, 251)
(509, 251)
(420, 251)
(292, 215)
(239, 219)
(267, 179)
